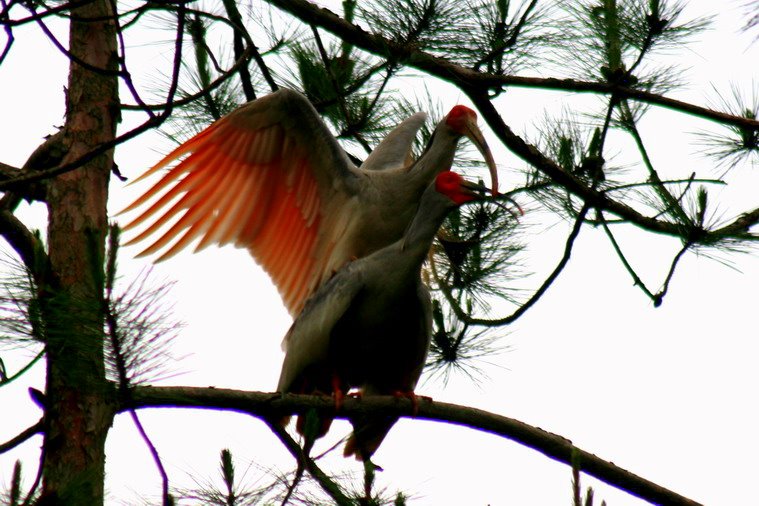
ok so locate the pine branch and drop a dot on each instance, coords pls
(407, 54)
(268, 406)
(465, 317)
(476, 84)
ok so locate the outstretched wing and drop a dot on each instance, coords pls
(268, 177)
(395, 150)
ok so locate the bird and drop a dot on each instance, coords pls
(271, 178)
(369, 326)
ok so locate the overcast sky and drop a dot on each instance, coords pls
(667, 393)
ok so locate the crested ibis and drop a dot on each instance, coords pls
(369, 326)
(271, 178)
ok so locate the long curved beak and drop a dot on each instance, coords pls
(473, 133)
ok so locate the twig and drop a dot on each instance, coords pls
(638, 282)
(106, 146)
(660, 295)
(329, 486)
(467, 319)
(21, 371)
(121, 369)
(237, 46)
(199, 94)
(339, 92)
(22, 437)
(668, 199)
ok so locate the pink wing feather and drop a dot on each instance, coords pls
(268, 177)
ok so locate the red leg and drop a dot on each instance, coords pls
(337, 390)
(413, 398)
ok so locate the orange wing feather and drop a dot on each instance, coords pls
(259, 178)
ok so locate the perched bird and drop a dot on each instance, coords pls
(369, 326)
(271, 178)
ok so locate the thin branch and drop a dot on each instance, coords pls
(269, 406)
(467, 319)
(688, 181)
(638, 282)
(199, 94)
(8, 34)
(21, 371)
(339, 92)
(124, 73)
(306, 462)
(106, 146)
(49, 11)
(672, 205)
(660, 295)
(23, 242)
(68, 54)
(237, 45)
(22, 437)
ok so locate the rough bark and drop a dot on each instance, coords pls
(79, 409)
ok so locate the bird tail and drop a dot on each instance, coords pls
(322, 425)
(367, 437)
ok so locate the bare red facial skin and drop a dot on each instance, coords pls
(450, 184)
(458, 117)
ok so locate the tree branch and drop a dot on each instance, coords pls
(306, 462)
(23, 436)
(476, 85)
(407, 54)
(271, 405)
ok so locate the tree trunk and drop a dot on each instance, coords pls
(79, 403)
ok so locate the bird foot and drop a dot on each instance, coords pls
(338, 392)
(339, 398)
(410, 395)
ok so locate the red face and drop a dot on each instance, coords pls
(450, 184)
(459, 116)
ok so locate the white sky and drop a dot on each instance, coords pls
(667, 393)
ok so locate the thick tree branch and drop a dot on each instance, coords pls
(271, 405)
(310, 13)
(476, 85)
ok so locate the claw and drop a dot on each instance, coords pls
(337, 392)
(410, 395)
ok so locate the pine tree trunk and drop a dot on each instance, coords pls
(79, 407)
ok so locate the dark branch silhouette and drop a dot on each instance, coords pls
(271, 405)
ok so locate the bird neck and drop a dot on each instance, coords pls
(429, 216)
(438, 156)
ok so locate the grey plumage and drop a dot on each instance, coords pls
(369, 326)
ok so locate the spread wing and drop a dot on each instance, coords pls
(268, 177)
(395, 150)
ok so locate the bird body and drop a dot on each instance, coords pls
(271, 178)
(369, 326)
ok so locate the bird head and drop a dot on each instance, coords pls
(462, 120)
(458, 189)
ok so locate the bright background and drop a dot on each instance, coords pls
(668, 393)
